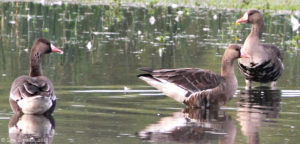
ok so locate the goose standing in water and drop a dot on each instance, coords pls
(197, 87)
(265, 61)
(34, 94)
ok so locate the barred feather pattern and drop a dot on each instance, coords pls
(266, 71)
(26, 86)
(32, 95)
(191, 79)
(203, 87)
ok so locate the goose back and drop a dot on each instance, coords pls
(32, 95)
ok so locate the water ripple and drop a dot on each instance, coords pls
(114, 91)
(285, 93)
(290, 93)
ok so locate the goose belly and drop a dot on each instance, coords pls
(264, 72)
(35, 104)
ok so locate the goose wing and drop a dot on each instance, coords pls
(191, 79)
(26, 86)
(272, 50)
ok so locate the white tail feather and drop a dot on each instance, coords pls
(168, 88)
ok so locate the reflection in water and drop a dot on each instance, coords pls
(192, 125)
(31, 129)
(254, 108)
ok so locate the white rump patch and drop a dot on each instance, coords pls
(35, 105)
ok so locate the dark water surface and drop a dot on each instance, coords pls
(102, 101)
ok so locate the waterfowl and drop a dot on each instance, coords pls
(31, 129)
(197, 87)
(265, 61)
(191, 125)
(34, 94)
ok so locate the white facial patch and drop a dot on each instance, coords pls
(52, 46)
(54, 49)
(245, 17)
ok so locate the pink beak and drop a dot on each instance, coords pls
(56, 50)
(243, 19)
(244, 55)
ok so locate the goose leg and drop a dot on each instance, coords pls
(197, 100)
(248, 84)
(273, 85)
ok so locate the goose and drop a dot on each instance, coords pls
(34, 94)
(197, 87)
(264, 64)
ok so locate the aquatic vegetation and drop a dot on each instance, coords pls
(122, 39)
(161, 38)
(153, 2)
(291, 5)
(235, 29)
(152, 20)
(294, 43)
(45, 30)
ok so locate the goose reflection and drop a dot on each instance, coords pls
(255, 107)
(190, 126)
(31, 129)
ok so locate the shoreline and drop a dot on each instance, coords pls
(289, 9)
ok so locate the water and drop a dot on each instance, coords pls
(102, 101)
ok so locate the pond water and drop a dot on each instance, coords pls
(100, 99)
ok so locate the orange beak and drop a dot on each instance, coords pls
(56, 50)
(243, 19)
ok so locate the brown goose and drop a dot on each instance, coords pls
(197, 87)
(265, 61)
(34, 94)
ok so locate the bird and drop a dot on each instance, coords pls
(265, 62)
(25, 128)
(34, 93)
(195, 87)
